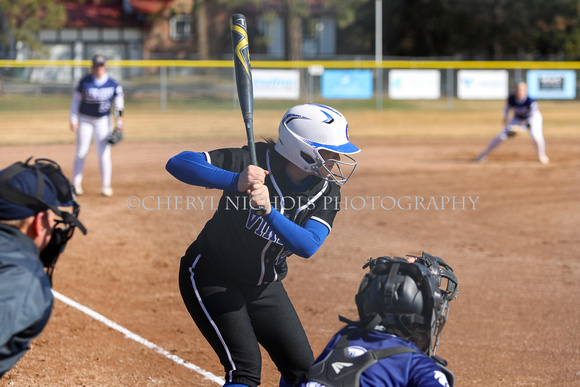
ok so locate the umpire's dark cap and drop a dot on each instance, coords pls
(27, 183)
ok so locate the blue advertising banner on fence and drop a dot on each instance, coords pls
(551, 84)
(347, 84)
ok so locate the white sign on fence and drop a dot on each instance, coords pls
(551, 84)
(276, 84)
(414, 84)
(482, 84)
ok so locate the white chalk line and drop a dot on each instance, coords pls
(133, 336)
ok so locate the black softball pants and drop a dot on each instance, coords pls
(235, 317)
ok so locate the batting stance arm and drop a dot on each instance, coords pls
(192, 168)
(302, 241)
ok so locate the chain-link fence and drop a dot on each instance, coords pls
(212, 83)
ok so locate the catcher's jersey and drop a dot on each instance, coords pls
(240, 244)
(98, 95)
(522, 109)
(412, 369)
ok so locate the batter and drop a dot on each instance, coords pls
(230, 277)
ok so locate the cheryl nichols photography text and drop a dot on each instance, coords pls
(347, 203)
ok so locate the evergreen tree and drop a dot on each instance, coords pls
(20, 21)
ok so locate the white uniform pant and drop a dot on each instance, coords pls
(535, 124)
(99, 129)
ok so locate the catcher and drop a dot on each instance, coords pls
(403, 305)
(526, 116)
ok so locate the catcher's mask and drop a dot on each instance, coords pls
(53, 192)
(406, 298)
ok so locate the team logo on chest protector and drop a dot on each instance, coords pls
(353, 352)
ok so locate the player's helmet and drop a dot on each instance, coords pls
(407, 297)
(305, 130)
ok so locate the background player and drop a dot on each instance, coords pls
(90, 116)
(402, 306)
(230, 277)
(34, 229)
(526, 115)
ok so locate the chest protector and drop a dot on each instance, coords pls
(339, 369)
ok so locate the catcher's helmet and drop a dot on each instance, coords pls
(305, 130)
(406, 297)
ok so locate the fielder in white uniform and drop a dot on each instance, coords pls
(526, 116)
(90, 116)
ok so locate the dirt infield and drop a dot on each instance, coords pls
(509, 228)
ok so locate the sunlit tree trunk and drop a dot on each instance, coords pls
(200, 14)
(293, 30)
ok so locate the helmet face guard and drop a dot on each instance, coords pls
(442, 272)
(307, 129)
(330, 169)
(65, 196)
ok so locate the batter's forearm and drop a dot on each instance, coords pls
(301, 241)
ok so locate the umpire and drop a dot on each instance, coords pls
(34, 230)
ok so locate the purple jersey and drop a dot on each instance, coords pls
(97, 97)
(413, 369)
(522, 108)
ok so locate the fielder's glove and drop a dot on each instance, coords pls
(514, 130)
(116, 136)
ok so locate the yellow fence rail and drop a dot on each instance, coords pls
(352, 64)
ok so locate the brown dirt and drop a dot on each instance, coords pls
(515, 251)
